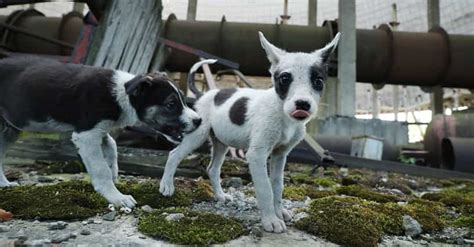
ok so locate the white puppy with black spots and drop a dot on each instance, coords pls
(266, 123)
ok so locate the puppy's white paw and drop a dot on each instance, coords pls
(166, 187)
(284, 214)
(223, 197)
(122, 200)
(8, 184)
(273, 224)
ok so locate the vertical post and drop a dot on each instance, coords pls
(192, 10)
(434, 21)
(396, 89)
(191, 16)
(346, 86)
(312, 12)
(285, 17)
(375, 104)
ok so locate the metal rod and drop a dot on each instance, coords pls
(26, 32)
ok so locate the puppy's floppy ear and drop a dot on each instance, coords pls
(137, 84)
(326, 51)
(273, 53)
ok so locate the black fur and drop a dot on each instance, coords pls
(238, 111)
(34, 89)
(282, 83)
(223, 95)
(317, 77)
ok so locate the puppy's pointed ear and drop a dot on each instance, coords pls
(326, 51)
(273, 53)
(137, 84)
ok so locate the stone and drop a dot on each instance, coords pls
(20, 235)
(147, 209)
(234, 182)
(60, 225)
(411, 226)
(109, 216)
(300, 216)
(174, 217)
(62, 238)
(85, 232)
(45, 179)
(4, 229)
(256, 232)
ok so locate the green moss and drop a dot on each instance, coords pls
(391, 216)
(361, 192)
(72, 167)
(429, 214)
(462, 199)
(301, 192)
(343, 220)
(186, 192)
(195, 228)
(148, 193)
(68, 200)
(465, 221)
(325, 182)
(302, 178)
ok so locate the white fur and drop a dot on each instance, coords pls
(129, 115)
(269, 130)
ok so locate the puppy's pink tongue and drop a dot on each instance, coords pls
(300, 114)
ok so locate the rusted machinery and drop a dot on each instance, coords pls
(383, 56)
(450, 142)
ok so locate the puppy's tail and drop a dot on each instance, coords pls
(192, 71)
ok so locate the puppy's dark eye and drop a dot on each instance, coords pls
(285, 79)
(318, 84)
(171, 105)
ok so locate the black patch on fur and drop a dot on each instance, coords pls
(238, 111)
(317, 76)
(36, 89)
(282, 84)
(223, 95)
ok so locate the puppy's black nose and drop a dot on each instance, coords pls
(302, 105)
(197, 122)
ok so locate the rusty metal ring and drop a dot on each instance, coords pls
(15, 17)
(444, 72)
(388, 30)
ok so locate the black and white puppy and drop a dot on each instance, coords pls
(48, 96)
(266, 123)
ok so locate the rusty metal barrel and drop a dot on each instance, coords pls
(458, 154)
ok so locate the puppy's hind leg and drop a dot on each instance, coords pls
(219, 151)
(7, 137)
(109, 147)
(189, 144)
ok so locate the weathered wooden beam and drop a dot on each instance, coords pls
(134, 161)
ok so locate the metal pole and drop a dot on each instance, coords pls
(312, 12)
(192, 10)
(396, 89)
(346, 86)
(434, 21)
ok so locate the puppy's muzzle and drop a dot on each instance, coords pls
(190, 127)
(302, 110)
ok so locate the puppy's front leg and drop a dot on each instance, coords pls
(257, 159)
(277, 167)
(109, 147)
(89, 147)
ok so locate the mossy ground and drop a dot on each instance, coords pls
(195, 228)
(360, 208)
(78, 200)
(352, 221)
(65, 201)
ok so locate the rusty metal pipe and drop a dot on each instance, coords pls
(383, 56)
(457, 154)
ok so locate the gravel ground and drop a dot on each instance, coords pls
(123, 231)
